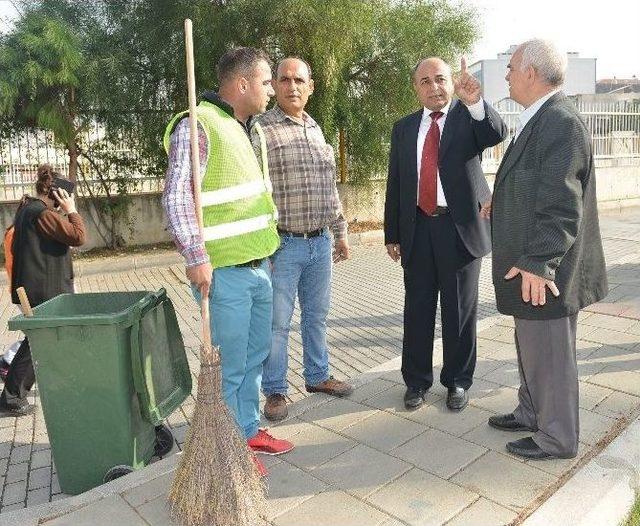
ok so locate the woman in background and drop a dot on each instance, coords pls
(42, 265)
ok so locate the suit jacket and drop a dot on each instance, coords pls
(545, 215)
(463, 182)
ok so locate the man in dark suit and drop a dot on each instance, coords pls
(436, 223)
(545, 235)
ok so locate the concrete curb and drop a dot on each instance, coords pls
(171, 257)
(167, 258)
(126, 263)
(602, 492)
(618, 204)
(45, 512)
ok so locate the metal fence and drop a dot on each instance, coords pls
(614, 128)
(20, 156)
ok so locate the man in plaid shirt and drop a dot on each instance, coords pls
(303, 174)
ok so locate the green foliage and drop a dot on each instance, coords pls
(634, 515)
(54, 71)
(40, 64)
(125, 61)
(362, 54)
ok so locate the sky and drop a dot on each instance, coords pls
(608, 31)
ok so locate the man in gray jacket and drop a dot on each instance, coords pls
(545, 236)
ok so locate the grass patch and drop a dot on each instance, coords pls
(634, 516)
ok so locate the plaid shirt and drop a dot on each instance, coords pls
(177, 198)
(303, 173)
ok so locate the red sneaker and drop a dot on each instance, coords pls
(265, 443)
(260, 466)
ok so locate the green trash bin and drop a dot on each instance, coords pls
(110, 367)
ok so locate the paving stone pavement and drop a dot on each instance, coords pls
(366, 460)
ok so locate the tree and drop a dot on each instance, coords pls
(61, 71)
(362, 53)
(40, 65)
(122, 64)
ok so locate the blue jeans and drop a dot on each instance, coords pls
(301, 266)
(240, 304)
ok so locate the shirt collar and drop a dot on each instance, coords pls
(528, 113)
(214, 98)
(426, 113)
(279, 115)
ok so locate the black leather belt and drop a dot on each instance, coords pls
(307, 235)
(439, 211)
(254, 263)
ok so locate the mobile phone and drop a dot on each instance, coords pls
(65, 184)
(59, 182)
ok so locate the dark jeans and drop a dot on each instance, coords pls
(20, 378)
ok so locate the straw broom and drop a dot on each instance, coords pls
(216, 482)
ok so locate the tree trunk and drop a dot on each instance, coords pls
(343, 156)
(73, 160)
(72, 146)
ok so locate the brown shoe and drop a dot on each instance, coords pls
(332, 387)
(275, 408)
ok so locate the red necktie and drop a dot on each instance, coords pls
(427, 189)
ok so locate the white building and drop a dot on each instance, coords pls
(580, 78)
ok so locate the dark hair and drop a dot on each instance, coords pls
(46, 175)
(240, 60)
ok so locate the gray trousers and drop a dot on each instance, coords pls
(548, 394)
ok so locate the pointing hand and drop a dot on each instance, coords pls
(467, 87)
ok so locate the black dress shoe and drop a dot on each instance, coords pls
(414, 397)
(508, 422)
(527, 448)
(457, 398)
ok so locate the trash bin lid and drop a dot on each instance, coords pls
(93, 308)
(160, 368)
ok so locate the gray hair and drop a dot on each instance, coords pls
(545, 58)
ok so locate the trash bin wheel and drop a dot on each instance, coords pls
(164, 441)
(116, 472)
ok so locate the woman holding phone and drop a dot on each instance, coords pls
(45, 227)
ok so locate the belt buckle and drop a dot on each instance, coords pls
(306, 235)
(439, 211)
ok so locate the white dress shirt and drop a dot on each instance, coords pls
(528, 113)
(477, 113)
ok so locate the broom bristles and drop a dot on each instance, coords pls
(217, 482)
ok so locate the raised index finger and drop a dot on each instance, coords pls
(463, 65)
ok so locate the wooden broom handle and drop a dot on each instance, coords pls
(24, 302)
(193, 121)
(194, 142)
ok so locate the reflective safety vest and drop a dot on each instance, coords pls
(238, 211)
